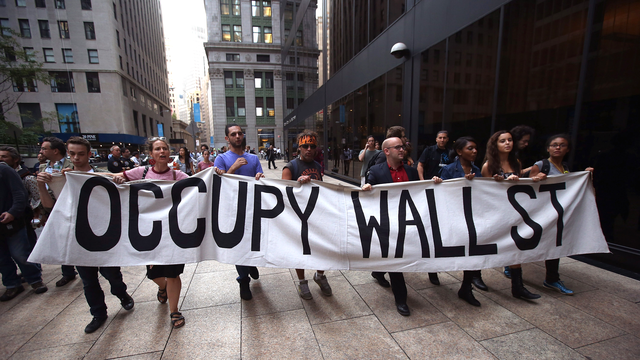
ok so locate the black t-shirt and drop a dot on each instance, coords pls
(115, 165)
(433, 159)
(300, 168)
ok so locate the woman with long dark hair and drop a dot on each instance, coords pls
(184, 161)
(501, 164)
(557, 146)
(466, 151)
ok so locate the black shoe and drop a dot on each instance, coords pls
(245, 291)
(403, 309)
(381, 280)
(466, 294)
(127, 302)
(39, 287)
(95, 324)
(433, 277)
(253, 271)
(517, 287)
(479, 284)
(11, 293)
(64, 281)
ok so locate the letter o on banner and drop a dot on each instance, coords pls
(84, 234)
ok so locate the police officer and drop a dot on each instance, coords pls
(115, 164)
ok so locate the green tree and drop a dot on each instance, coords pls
(19, 73)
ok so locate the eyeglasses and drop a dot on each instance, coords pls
(561, 146)
(156, 138)
(306, 146)
(397, 147)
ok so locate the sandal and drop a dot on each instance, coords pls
(162, 295)
(177, 320)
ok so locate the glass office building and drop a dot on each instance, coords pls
(475, 67)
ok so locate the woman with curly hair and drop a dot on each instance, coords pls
(502, 164)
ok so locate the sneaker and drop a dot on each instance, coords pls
(507, 272)
(39, 287)
(11, 293)
(64, 281)
(95, 324)
(321, 280)
(303, 290)
(558, 285)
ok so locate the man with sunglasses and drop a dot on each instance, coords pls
(236, 161)
(394, 170)
(304, 169)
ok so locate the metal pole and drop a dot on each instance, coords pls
(494, 109)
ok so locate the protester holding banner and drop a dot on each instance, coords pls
(394, 170)
(304, 169)
(236, 161)
(206, 162)
(167, 277)
(501, 164)
(463, 166)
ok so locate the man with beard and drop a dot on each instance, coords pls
(236, 161)
(79, 150)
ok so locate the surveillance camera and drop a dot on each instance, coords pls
(399, 50)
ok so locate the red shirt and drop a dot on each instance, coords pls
(399, 174)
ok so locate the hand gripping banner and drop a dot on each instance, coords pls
(410, 227)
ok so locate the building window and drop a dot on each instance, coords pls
(21, 3)
(118, 40)
(93, 82)
(233, 57)
(224, 7)
(115, 11)
(93, 56)
(86, 4)
(299, 38)
(263, 58)
(268, 36)
(290, 103)
(4, 24)
(237, 33)
(239, 80)
(228, 79)
(226, 32)
(63, 26)
(271, 112)
(48, 55)
(29, 114)
(259, 106)
(258, 79)
(235, 7)
(41, 3)
(121, 68)
(62, 81)
(68, 118)
(257, 34)
(89, 31)
(231, 111)
(25, 29)
(25, 84)
(29, 54)
(260, 8)
(67, 56)
(125, 46)
(59, 4)
(45, 32)
(9, 53)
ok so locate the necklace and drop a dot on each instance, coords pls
(560, 168)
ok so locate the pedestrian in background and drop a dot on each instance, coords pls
(365, 156)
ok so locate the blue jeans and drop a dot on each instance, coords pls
(93, 291)
(17, 248)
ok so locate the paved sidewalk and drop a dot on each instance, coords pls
(601, 321)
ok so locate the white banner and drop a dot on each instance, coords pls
(409, 227)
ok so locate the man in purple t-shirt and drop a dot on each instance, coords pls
(236, 161)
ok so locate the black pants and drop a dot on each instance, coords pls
(553, 268)
(468, 275)
(68, 271)
(272, 161)
(398, 286)
(92, 290)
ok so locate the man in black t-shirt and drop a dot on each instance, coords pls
(434, 157)
(304, 169)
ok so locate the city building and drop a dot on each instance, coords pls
(475, 67)
(262, 62)
(107, 61)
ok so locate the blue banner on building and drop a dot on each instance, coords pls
(160, 129)
(196, 113)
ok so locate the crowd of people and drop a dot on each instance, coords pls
(26, 200)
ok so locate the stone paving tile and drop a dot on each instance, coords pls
(382, 302)
(420, 281)
(359, 277)
(210, 333)
(529, 344)
(359, 338)
(66, 352)
(619, 285)
(271, 294)
(142, 330)
(609, 308)
(625, 347)
(293, 339)
(565, 323)
(440, 341)
(481, 323)
(148, 356)
(212, 289)
(345, 303)
(10, 344)
(212, 265)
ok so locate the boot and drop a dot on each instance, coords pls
(465, 294)
(517, 288)
(245, 291)
(433, 277)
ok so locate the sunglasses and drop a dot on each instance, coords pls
(156, 138)
(306, 146)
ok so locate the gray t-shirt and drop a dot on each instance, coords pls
(553, 170)
(368, 155)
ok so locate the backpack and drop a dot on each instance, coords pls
(546, 166)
